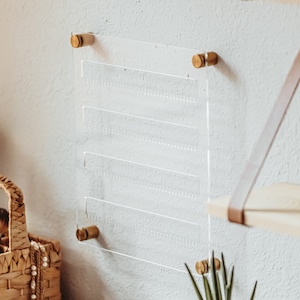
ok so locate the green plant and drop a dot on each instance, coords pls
(220, 285)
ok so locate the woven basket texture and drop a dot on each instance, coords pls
(15, 264)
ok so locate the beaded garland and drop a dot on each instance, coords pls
(39, 261)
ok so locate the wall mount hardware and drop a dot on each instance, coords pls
(202, 266)
(82, 40)
(204, 59)
(87, 233)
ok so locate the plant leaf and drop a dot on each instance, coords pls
(207, 289)
(219, 286)
(194, 283)
(224, 274)
(230, 285)
(214, 276)
(253, 291)
(224, 270)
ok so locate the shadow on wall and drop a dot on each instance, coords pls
(19, 167)
(25, 173)
(87, 274)
(227, 71)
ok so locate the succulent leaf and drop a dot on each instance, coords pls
(224, 270)
(194, 283)
(230, 285)
(253, 291)
(214, 276)
(207, 289)
(221, 284)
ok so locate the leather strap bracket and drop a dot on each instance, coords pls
(264, 144)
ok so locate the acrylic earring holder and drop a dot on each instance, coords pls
(142, 137)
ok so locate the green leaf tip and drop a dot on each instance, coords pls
(194, 282)
(253, 291)
(220, 285)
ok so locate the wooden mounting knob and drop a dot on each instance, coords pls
(205, 59)
(211, 58)
(202, 266)
(198, 61)
(81, 40)
(87, 233)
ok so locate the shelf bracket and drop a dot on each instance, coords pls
(264, 144)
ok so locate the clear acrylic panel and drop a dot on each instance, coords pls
(142, 163)
(143, 187)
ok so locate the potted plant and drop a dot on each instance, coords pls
(220, 285)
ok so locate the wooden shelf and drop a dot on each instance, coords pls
(276, 207)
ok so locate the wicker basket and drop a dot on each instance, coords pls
(30, 269)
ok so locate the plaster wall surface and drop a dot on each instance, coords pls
(256, 41)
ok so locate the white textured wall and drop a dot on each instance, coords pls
(256, 40)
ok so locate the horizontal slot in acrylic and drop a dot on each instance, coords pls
(157, 96)
(142, 235)
(141, 273)
(161, 191)
(158, 143)
(141, 81)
